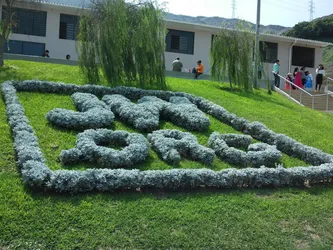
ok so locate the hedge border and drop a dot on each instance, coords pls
(37, 174)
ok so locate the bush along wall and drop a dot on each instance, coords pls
(36, 174)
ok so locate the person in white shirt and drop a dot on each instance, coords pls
(319, 77)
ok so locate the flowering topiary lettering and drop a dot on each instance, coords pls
(93, 113)
(171, 145)
(91, 146)
(259, 154)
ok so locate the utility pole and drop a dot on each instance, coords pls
(256, 50)
(234, 7)
(311, 9)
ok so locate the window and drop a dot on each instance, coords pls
(24, 48)
(68, 27)
(29, 22)
(180, 42)
(268, 51)
(303, 56)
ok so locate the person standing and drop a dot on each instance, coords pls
(276, 72)
(308, 83)
(260, 72)
(177, 65)
(319, 77)
(298, 78)
(303, 75)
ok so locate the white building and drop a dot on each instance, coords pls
(53, 27)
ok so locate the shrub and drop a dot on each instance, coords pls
(259, 154)
(143, 116)
(171, 145)
(36, 174)
(185, 114)
(88, 148)
(94, 113)
(146, 114)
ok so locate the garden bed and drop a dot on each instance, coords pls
(36, 173)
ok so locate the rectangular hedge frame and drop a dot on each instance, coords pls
(36, 174)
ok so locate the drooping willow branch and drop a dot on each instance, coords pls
(124, 42)
(232, 57)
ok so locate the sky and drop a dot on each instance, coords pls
(279, 12)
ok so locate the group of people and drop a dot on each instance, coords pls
(47, 54)
(301, 77)
(177, 66)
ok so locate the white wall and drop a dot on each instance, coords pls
(59, 48)
(202, 44)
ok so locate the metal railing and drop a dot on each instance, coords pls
(303, 93)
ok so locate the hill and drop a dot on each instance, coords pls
(214, 21)
(229, 22)
(319, 29)
(285, 218)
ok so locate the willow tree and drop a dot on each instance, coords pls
(124, 42)
(232, 57)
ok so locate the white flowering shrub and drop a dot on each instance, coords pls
(90, 147)
(172, 145)
(295, 149)
(258, 154)
(36, 174)
(29, 157)
(185, 114)
(146, 114)
(93, 113)
(143, 116)
(260, 132)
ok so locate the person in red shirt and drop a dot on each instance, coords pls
(199, 69)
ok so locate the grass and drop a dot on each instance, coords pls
(200, 219)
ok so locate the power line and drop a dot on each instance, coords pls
(297, 4)
(282, 5)
(234, 7)
(311, 9)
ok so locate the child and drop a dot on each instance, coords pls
(290, 79)
(308, 83)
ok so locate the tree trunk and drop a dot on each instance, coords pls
(2, 50)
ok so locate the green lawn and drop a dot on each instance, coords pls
(199, 219)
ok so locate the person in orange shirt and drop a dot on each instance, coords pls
(199, 69)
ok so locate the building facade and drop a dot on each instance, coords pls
(54, 27)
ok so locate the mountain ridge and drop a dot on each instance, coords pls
(213, 21)
(227, 22)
